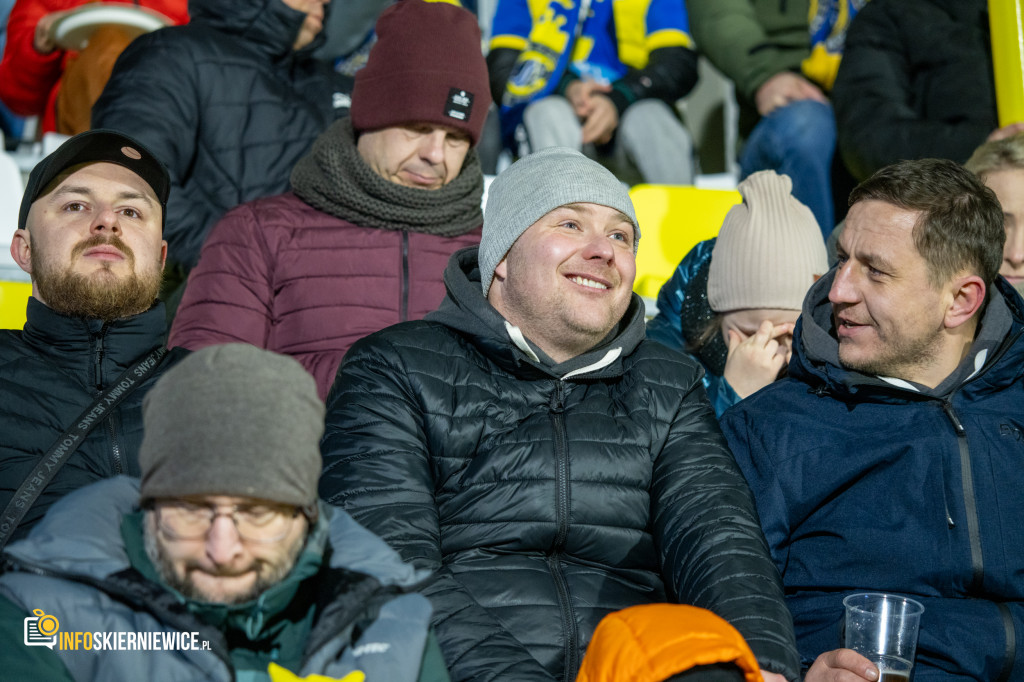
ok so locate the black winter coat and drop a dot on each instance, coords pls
(227, 104)
(543, 497)
(915, 82)
(49, 373)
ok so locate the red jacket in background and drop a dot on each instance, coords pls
(29, 81)
(282, 275)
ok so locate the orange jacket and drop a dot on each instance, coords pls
(651, 643)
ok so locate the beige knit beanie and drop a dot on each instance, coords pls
(769, 250)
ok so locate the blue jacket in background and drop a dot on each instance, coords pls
(865, 486)
(683, 312)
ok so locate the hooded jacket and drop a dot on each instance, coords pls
(867, 485)
(335, 612)
(49, 373)
(915, 82)
(227, 104)
(545, 496)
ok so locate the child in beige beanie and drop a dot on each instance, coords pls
(733, 301)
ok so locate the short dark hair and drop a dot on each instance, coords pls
(961, 222)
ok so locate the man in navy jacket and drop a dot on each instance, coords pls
(890, 458)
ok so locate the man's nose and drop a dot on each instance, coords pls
(432, 146)
(843, 290)
(598, 245)
(106, 218)
(223, 543)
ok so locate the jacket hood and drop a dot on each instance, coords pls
(269, 25)
(816, 351)
(465, 309)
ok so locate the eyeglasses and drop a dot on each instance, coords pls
(180, 520)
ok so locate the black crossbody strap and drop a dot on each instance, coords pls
(68, 442)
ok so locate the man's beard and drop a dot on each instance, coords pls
(99, 295)
(267, 574)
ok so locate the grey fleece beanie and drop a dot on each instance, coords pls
(534, 186)
(233, 420)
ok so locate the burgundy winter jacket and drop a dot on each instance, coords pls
(282, 275)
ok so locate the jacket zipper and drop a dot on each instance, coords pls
(974, 533)
(970, 502)
(403, 313)
(571, 662)
(115, 443)
(111, 425)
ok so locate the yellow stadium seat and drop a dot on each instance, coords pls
(673, 218)
(13, 299)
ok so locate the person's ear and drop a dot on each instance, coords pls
(967, 296)
(21, 250)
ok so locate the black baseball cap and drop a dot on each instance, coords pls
(94, 146)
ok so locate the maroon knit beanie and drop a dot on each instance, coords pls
(426, 67)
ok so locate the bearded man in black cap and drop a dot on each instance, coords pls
(90, 234)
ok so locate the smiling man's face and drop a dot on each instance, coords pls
(568, 280)
(93, 244)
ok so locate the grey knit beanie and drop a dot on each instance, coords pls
(769, 250)
(233, 420)
(534, 186)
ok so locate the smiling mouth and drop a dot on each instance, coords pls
(588, 283)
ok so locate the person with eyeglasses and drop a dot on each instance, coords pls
(223, 542)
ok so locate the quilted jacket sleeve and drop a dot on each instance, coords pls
(666, 326)
(377, 466)
(153, 96)
(229, 297)
(713, 550)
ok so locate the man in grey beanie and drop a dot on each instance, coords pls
(222, 549)
(527, 445)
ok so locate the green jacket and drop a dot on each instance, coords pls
(751, 40)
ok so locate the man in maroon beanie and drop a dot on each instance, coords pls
(376, 208)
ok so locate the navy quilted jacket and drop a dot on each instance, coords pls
(226, 104)
(545, 497)
(861, 485)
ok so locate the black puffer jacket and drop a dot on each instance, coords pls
(915, 82)
(49, 373)
(227, 104)
(543, 503)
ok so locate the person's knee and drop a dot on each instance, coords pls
(806, 126)
(551, 122)
(654, 120)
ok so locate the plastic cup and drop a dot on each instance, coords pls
(883, 628)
